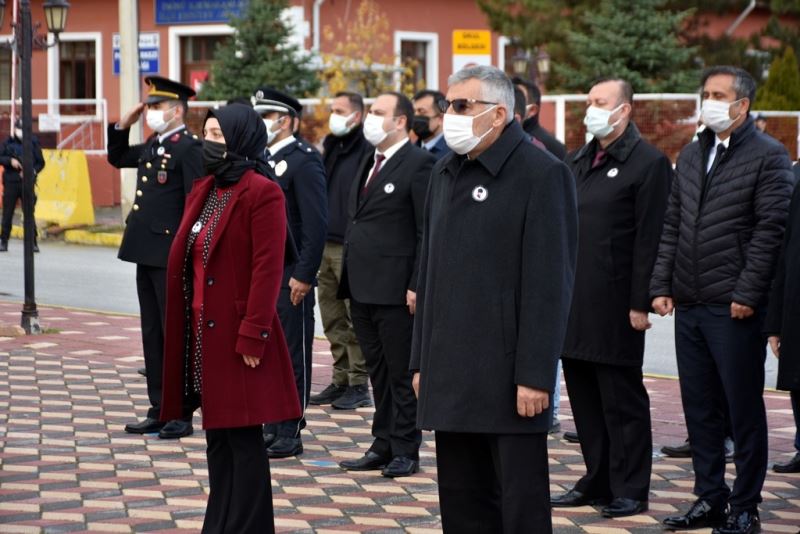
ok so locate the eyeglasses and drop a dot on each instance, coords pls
(460, 105)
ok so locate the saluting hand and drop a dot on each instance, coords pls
(251, 361)
(663, 305)
(639, 320)
(531, 401)
(130, 118)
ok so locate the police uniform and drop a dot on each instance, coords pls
(167, 165)
(299, 171)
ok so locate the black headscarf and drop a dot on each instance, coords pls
(245, 139)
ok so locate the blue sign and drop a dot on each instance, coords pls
(197, 11)
(148, 53)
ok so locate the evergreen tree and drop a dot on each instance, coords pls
(781, 91)
(637, 41)
(259, 54)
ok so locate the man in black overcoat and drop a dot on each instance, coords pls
(783, 319)
(493, 297)
(722, 234)
(168, 163)
(623, 184)
(379, 276)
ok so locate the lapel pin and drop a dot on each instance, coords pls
(388, 188)
(281, 167)
(613, 172)
(160, 151)
(479, 194)
(197, 227)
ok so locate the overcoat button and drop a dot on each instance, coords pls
(210, 281)
(136, 207)
(138, 192)
(144, 179)
(265, 334)
(148, 164)
(211, 324)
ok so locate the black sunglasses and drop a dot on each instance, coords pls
(460, 105)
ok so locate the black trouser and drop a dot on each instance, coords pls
(298, 327)
(612, 416)
(12, 191)
(240, 498)
(151, 286)
(496, 483)
(795, 398)
(723, 358)
(384, 333)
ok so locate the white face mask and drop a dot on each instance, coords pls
(596, 121)
(373, 130)
(338, 124)
(458, 133)
(269, 123)
(716, 115)
(156, 121)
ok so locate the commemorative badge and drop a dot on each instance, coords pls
(388, 188)
(613, 172)
(479, 194)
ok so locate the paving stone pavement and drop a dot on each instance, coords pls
(66, 465)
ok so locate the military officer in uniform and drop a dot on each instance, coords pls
(300, 173)
(168, 163)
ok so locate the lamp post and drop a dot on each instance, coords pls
(24, 42)
(543, 65)
(520, 63)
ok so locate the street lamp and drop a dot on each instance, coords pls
(520, 63)
(543, 65)
(23, 42)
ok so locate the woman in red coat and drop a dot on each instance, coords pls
(224, 349)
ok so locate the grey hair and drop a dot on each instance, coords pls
(496, 86)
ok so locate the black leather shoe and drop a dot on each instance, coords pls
(792, 466)
(577, 498)
(741, 522)
(3, 246)
(572, 437)
(369, 462)
(622, 507)
(327, 395)
(176, 429)
(354, 397)
(285, 447)
(555, 428)
(147, 426)
(400, 466)
(142, 371)
(683, 450)
(36, 247)
(269, 439)
(702, 514)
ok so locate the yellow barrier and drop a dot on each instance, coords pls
(63, 189)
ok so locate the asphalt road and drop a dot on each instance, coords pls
(93, 278)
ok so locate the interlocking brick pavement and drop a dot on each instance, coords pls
(66, 465)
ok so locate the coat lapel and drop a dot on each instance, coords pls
(355, 190)
(385, 173)
(239, 189)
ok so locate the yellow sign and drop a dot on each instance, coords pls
(64, 190)
(472, 42)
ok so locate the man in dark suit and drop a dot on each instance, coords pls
(493, 295)
(300, 173)
(427, 125)
(168, 162)
(344, 150)
(11, 161)
(530, 122)
(381, 258)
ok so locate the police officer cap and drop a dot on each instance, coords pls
(269, 99)
(165, 89)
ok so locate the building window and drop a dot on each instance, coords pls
(197, 54)
(414, 59)
(5, 74)
(77, 74)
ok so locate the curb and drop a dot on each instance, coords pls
(101, 239)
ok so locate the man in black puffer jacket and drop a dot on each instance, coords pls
(722, 234)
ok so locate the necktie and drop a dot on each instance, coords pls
(720, 151)
(599, 158)
(378, 162)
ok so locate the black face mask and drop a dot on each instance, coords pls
(214, 158)
(422, 127)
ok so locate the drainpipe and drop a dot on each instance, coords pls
(749, 9)
(315, 15)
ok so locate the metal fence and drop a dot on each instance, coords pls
(78, 124)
